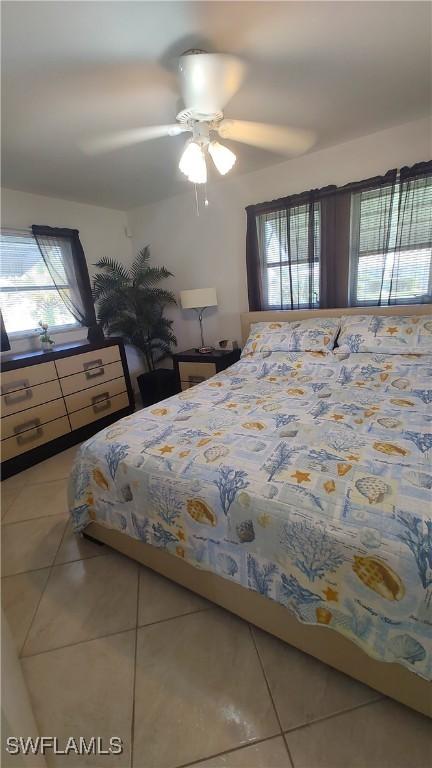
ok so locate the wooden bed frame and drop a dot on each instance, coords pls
(321, 642)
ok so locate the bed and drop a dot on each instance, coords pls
(293, 489)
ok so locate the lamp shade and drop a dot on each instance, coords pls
(198, 298)
(222, 157)
(192, 163)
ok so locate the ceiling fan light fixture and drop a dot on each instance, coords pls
(222, 157)
(192, 163)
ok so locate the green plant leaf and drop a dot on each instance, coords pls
(113, 267)
(131, 304)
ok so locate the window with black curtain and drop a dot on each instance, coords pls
(44, 276)
(289, 245)
(27, 290)
(283, 252)
(366, 243)
(391, 243)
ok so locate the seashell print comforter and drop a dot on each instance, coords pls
(302, 476)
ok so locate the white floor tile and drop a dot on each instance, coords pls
(303, 688)
(76, 547)
(32, 544)
(382, 735)
(84, 600)
(199, 690)
(20, 597)
(38, 500)
(160, 599)
(85, 690)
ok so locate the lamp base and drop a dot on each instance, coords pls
(205, 350)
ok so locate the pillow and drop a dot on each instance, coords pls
(391, 334)
(314, 335)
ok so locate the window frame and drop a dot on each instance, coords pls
(354, 259)
(267, 265)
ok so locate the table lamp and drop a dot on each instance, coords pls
(199, 299)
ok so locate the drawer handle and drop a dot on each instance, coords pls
(92, 364)
(19, 384)
(101, 402)
(26, 425)
(26, 394)
(28, 437)
(192, 380)
(93, 369)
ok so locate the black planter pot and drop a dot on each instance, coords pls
(95, 334)
(157, 385)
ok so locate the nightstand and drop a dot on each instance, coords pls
(192, 367)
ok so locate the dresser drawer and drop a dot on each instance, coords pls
(32, 418)
(32, 438)
(189, 372)
(98, 410)
(21, 399)
(30, 376)
(189, 384)
(90, 378)
(79, 363)
(95, 395)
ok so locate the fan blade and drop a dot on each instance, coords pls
(276, 138)
(209, 80)
(122, 139)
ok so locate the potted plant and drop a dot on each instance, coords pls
(130, 303)
(46, 341)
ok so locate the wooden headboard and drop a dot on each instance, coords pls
(288, 316)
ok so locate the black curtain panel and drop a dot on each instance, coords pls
(253, 269)
(65, 260)
(411, 264)
(4, 338)
(334, 262)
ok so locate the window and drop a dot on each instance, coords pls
(289, 245)
(27, 291)
(391, 254)
(368, 242)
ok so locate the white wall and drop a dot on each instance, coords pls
(102, 230)
(209, 250)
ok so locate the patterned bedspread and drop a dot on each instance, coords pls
(305, 477)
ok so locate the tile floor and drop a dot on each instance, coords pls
(111, 648)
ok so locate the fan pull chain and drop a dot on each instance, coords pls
(197, 198)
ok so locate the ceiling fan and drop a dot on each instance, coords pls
(207, 82)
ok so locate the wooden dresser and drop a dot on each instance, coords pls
(52, 400)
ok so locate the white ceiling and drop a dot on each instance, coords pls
(76, 69)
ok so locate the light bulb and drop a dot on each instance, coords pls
(222, 157)
(192, 163)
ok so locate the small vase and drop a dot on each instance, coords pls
(47, 346)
